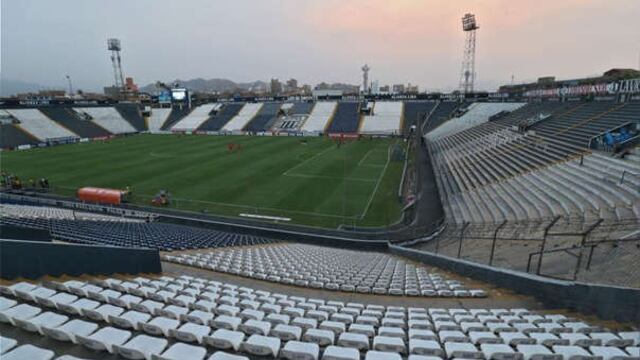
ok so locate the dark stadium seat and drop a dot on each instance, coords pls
(346, 118)
(68, 118)
(268, 112)
(131, 113)
(226, 113)
(11, 137)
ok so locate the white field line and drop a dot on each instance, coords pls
(328, 177)
(257, 207)
(375, 190)
(364, 157)
(308, 160)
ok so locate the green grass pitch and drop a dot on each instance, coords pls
(314, 183)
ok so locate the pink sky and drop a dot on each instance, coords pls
(418, 41)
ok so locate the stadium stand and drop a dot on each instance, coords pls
(108, 118)
(195, 118)
(587, 120)
(157, 119)
(11, 137)
(494, 172)
(331, 269)
(346, 118)
(45, 212)
(131, 113)
(68, 118)
(265, 116)
(177, 113)
(226, 113)
(301, 108)
(413, 109)
(386, 119)
(320, 116)
(476, 113)
(442, 113)
(186, 317)
(153, 235)
(37, 124)
(244, 116)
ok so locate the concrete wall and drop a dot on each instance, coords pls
(608, 302)
(31, 260)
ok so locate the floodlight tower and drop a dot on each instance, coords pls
(114, 47)
(365, 78)
(468, 73)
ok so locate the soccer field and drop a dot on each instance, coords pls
(313, 183)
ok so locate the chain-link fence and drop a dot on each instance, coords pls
(594, 250)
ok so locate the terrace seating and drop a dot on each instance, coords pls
(213, 342)
(226, 113)
(157, 119)
(238, 122)
(68, 118)
(195, 118)
(346, 118)
(38, 125)
(300, 108)
(332, 269)
(267, 113)
(108, 118)
(440, 114)
(44, 212)
(413, 109)
(177, 113)
(12, 136)
(477, 113)
(152, 235)
(131, 113)
(319, 117)
(386, 119)
(493, 172)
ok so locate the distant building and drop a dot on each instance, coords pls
(130, 86)
(398, 88)
(275, 86)
(384, 89)
(412, 89)
(326, 92)
(375, 87)
(292, 85)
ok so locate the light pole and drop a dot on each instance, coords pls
(70, 87)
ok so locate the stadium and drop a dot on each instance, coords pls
(337, 223)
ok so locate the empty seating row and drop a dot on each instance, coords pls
(346, 118)
(108, 118)
(45, 212)
(34, 122)
(154, 235)
(68, 118)
(265, 117)
(386, 119)
(477, 113)
(329, 268)
(222, 117)
(320, 116)
(157, 118)
(186, 317)
(132, 114)
(238, 122)
(416, 111)
(195, 118)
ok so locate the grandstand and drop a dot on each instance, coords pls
(131, 113)
(319, 117)
(195, 118)
(265, 116)
(386, 119)
(107, 118)
(226, 113)
(35, 123)
(157, 119)
(346, 118)
(69, 119)
(245, 116)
